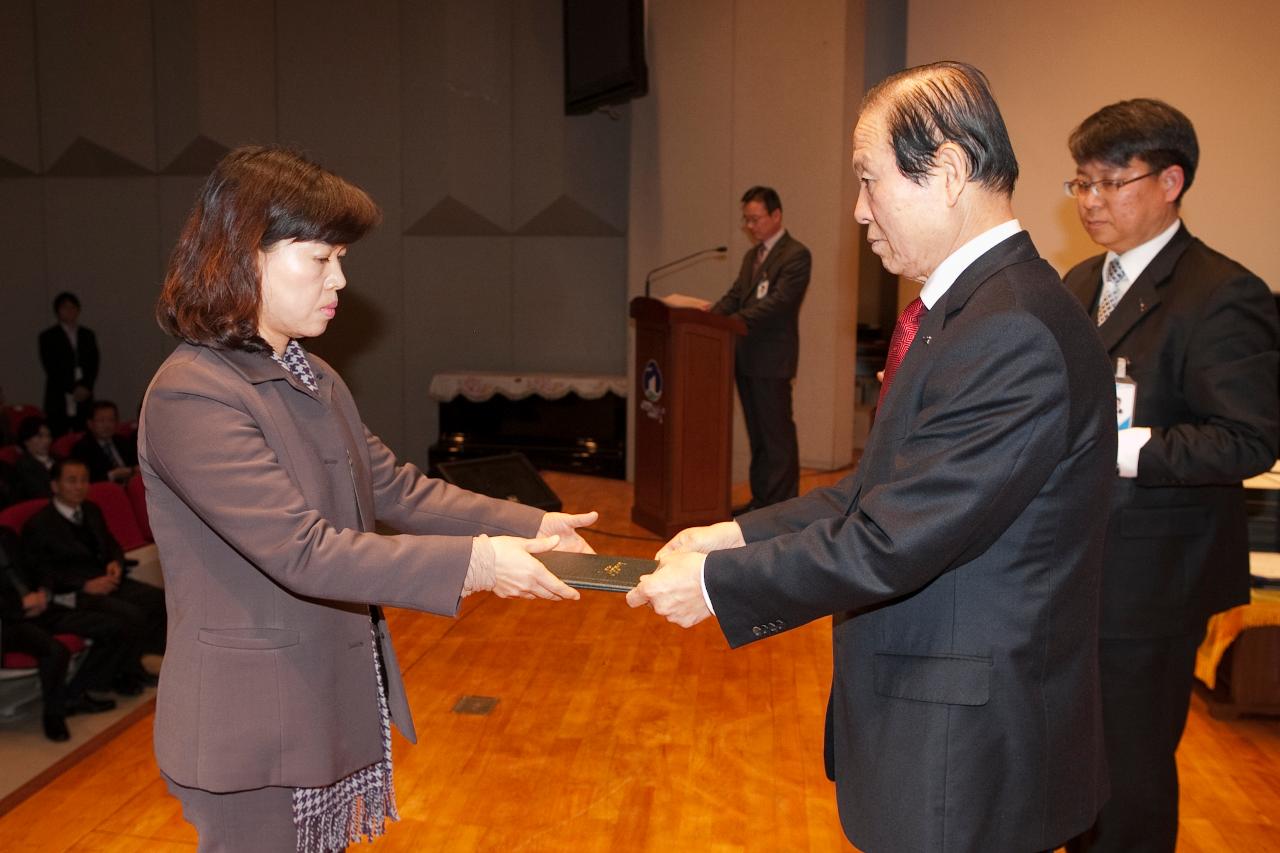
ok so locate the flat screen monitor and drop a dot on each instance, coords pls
(603, 54)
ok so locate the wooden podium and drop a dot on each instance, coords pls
(684, 416)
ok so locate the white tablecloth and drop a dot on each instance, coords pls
(478, 387)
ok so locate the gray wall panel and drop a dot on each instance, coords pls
(25, 303)
(19, 119)
(570, 306)
(96, 78)
(457, 298)
(102, 243)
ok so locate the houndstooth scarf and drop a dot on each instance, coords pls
(356, 807)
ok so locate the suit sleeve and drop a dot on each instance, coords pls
(786, 292)
(212, 454)
(728, 304)
(1230, 389)
(66, 565)
(89, 358)
(990, 430)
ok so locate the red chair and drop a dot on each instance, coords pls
(118, 512)
(21, 660)
(138, 500)
(15, 516)
(9, 454)
(61, 447)
(19, 413)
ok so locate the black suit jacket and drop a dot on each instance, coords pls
(771, 346)
(30, 478)
(60, 360)
(50, 541)
(88, 451)
(961, 560)
(1200, 334)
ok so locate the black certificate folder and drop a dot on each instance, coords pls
(597, 571)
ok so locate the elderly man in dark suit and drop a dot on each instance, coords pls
(767, 296)
(69, 355)
(1199, 336)
(961, 560)
(69, 537)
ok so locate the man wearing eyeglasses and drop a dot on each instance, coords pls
(1199, 334)
(767, 295)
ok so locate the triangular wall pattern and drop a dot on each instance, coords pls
(565, 217)
(86, 159)
(452, 218)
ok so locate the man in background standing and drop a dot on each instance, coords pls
(1199, 335)
(69, 355)
(767, 296)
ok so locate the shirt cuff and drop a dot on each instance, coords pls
(702, 578)
(1128, 447)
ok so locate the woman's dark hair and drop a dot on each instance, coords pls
(29, 426)
(942, 102)
(256, 197)
(1151, 130)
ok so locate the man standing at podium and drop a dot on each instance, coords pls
(767, 296)
(961, 559)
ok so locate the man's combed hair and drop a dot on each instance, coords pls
(767, 196)
(942, 102)
(256, 197)
(1145, 128)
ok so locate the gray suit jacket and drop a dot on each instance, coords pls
(263, 498)
(771, 346)
(961, 560)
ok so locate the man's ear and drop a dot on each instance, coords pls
(1171, 179)
(952, 167)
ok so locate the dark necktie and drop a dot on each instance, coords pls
(904, 332)
(761, 251)
(113, 455)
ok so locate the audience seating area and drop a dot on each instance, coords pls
(125, 510)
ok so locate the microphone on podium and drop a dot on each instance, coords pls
(718, 250)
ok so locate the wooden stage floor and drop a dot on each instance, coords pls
(613, 731)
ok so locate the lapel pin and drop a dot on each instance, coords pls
(928, 339)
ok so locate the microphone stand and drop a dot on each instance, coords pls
(718, 250)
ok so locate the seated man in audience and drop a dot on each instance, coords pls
(31, 471)
(70, 538)
(28, 620)
(107, 455)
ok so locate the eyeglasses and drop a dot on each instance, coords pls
(1106, 187)
(752, 220)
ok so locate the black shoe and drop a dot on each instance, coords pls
(86, 704)
(127, 685)
(55, 728)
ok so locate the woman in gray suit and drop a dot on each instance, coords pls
(263, 486)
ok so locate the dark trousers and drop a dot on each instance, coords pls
(1146, 692)
(256, 821)
(101, 664)
(140, 606)
(771, 432)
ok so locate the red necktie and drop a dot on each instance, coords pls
(904, 332)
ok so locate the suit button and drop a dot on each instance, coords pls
(757, 630)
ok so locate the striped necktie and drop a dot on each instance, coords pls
(1112, 290)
